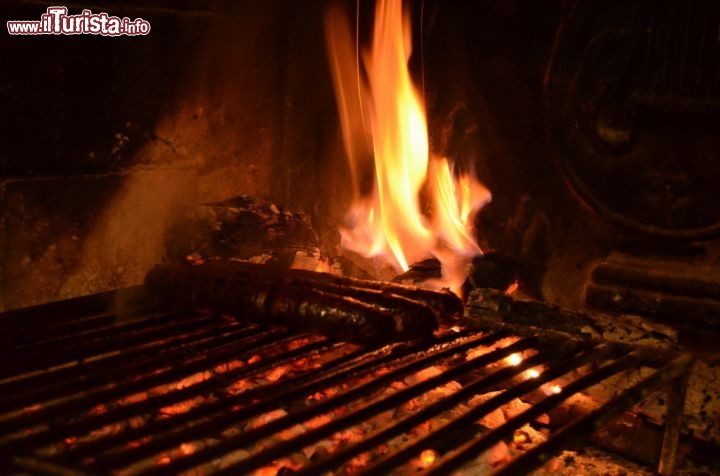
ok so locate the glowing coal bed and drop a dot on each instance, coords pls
(118, 384)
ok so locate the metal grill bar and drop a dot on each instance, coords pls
(128, 390)
(411, 421)
(273, 402)
(454, 460)
(110, 355)
(92, 422)
(172, 367)
(366, 411)
(285, 390)
(574, 361)
(588, 423)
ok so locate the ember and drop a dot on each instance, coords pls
(427, 458)
(514, 359)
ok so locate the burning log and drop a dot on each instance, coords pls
(341, 308)
(444, 303)
(490, 270)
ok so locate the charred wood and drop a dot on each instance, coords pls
(490, 305)
(444, 303)
(242, 227)
(491, 270)
(301, 304)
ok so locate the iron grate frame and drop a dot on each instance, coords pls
(62, 360)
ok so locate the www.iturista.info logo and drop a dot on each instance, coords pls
(56, 21)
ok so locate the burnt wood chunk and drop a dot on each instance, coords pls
(341, 308)
(445, 304)
(242, 227)
(491, 270)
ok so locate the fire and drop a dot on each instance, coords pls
(382, 116)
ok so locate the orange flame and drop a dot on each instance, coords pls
(382, 117)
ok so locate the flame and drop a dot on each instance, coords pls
(385, 131)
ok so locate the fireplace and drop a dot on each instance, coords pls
(592, 124)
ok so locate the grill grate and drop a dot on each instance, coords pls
(88, 388)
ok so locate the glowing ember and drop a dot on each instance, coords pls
(178, 408)
(427, 457)
(187, 448)
(383, 117)
(513, 359)
(269, 471)
(520, 437)
(276, 373)
(532, 373)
